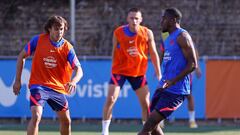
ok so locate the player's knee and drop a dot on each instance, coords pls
(112, 100)
(66, 122)
(157, 131)
(145, 105)
(36, 118)
(151, 123)
(145, 110)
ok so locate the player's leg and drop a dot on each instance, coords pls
(191, 111)
(151, 126)
(158, 129)
(113, 93)
(33, 125)
(115, 84)
(37, 100)
(143, 95)
(154, 102)
(59, 104)
(162, 124)
(190, 103)
(139, 84)
(65, 122)
(162, 106)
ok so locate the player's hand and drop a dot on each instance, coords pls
(16, 87)
(70, 87)
(167, 83)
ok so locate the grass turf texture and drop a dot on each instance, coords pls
(120, 129)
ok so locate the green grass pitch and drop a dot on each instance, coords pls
(121, 129)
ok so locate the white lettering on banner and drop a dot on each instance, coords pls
(8, 98)
(98, 90)
(89, 90)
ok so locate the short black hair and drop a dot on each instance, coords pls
(174, 12)
(134, 9)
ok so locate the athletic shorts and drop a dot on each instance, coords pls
(165, 102)
(136, 82)
(56, 100)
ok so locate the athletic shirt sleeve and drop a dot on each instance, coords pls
(72, 59)
(31, 45)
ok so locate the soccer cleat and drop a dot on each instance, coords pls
(193, 124)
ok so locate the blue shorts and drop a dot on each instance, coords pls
(136, 82)
(39, 96)
(165, 102)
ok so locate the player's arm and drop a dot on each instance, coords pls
(20, 64)
(114, 42)
(78, 72)
(27, 51)
(197, 70)
(186, 44)
(154, 54)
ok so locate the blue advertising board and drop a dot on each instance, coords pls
(90, 94)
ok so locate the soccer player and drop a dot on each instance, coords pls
(53, 63)
(131, 45)
(178, 61)
(190, 98)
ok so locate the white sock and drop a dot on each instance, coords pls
(191, 116)
(105, 127)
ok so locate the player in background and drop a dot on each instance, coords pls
(178, 61)
(53, 63)
(190, 98)
(132, 43)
